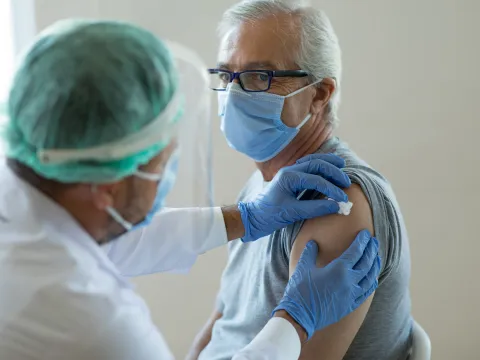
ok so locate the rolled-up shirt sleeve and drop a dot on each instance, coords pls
(170, 243)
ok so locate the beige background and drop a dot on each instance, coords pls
(410, 103)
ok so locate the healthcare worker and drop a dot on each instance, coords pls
(102, 115)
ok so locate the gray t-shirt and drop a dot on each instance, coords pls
(256, 275)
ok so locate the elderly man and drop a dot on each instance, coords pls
(278, 82)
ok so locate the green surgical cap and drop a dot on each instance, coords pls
(83, 84)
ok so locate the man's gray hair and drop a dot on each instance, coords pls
(319, 53)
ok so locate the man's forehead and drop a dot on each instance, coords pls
(259, 45)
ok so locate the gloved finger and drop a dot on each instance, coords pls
(309, 209)
(309, 254)
(372, 275)
(326, 170)
(331, 158)
(302, 181)
(368, 258)
(357, 248)
(361, 299)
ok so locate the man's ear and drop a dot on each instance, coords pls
(103, 195)
(324, 92)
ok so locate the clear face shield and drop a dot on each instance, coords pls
(193, 186)
(187, 181)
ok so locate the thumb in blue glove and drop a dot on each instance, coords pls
(278, 205)
(318, 297)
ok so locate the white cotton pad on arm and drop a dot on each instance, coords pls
(345, 207)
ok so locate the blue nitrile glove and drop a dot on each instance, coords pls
(318, 297)
(277, 206)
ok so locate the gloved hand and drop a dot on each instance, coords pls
(278, 205)
(317, 297)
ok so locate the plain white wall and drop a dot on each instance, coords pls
(410, 105)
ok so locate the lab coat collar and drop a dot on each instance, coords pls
(57, 221)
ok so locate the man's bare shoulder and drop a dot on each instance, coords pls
(335, 233)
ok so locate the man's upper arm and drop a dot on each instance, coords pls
(334, 234)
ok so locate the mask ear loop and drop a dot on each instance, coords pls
(118, 218)
(304, 121)
(299, 126)
(115, 214)
(303, 88)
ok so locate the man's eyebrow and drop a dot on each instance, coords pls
(223, 66)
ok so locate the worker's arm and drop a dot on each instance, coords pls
(175, 237)
(130, 335)
(84, 313)
(280, 339)
(171, 242)
(333, 235)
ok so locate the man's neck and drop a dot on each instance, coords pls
(308, 141)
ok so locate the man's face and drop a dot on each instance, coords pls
(135, 196)
(143, 192)
(270, 44)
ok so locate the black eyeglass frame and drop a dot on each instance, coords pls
(271, 74)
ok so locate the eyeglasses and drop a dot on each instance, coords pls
(250, 80)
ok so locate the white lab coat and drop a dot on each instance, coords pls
(64, 297)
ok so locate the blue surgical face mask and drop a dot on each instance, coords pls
(252, 124)
(165, 184)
